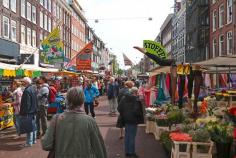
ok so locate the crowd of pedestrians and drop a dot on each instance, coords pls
(73, 133)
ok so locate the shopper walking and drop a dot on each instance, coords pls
(28, 111)
(75, 134)
(90, 93)
(112, 93)
(43, 106)
(131, 111)
(17, 95)
(124, 91)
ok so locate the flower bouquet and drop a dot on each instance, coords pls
(177, 136)
(222, 135)
(162, 120)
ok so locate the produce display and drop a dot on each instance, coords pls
(6, 116)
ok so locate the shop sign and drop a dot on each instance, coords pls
(155, 48)
(83, 60)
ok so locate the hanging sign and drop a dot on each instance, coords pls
(83, 60)
(155, 48)
(52, 48)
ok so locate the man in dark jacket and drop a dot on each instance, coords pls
(29, 108)
(112, 93)
(130, 109)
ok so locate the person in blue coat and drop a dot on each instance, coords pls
(90, 93)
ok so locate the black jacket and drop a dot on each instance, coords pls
(130, 109)
(29, 101)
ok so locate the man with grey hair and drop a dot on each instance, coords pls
(112, 94)
(130, 109)
(28, 111)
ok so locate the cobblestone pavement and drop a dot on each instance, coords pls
(146, 145)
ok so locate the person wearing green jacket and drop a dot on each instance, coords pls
(75, 134)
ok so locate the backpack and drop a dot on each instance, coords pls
(52, 94)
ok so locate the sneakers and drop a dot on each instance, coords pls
(26, 145)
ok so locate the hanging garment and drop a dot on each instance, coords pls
(168, 82)
(181, 89)
(190, 83)
(173, 83)
(197, 84)
(233, 80)
(223, 80)
(166, 91)
(186, 88)
(207, 80)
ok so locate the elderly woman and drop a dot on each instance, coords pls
(76, 135)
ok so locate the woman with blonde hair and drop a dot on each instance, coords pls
(73, 134)
(17, 95)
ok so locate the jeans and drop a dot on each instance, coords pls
(31, 138)
(16, 122)
(89, 106)
(113, 105)
(41, 119)
(130, 134)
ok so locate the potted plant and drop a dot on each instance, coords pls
(222, 135)
(175, 117)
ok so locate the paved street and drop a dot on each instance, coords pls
(146, 147)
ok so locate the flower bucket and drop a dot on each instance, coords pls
(223, 150)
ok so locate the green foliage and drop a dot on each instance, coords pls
(166, 141)
(220, 132)
(200, 135)
(120, 72)
(162, 122)
(175, 116)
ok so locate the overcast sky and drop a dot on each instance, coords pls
(124, 23)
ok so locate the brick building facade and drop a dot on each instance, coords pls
(222, 28)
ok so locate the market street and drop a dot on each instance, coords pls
(146, 146)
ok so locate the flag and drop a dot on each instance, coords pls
(52, 48)
(83, 58)
(127, 61)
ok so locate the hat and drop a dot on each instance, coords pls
(27, 79)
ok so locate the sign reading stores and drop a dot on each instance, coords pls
(155, 48)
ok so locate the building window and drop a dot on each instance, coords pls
(33, 38)
(41, 19)
(214, 48)
(5, 27)
(229, 11)
(13, 5)
(46, 4)
(29, 36)
(49, 24)
(6, 3)
(45, 22)
(54, 8)
(214, 19)
(22, 34)
(13, 30)
(23, 8)
(221, 44)
(50, 5)
(28, 11)
(33, 14)
(229, 42)
(221, 16)
(41, 2)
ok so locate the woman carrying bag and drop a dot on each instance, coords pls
(77, 134)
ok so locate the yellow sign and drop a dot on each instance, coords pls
(155, 48)
(183, 69)
(52, 48)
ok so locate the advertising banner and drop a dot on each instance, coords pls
(52, 49)
(155, 48)
(83, 60)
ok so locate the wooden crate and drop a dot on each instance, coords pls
(197, 154)
(160, 130)
(150, 126)
(177, 153)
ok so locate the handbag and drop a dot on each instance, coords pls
(27, 124)
(52, 153)
(95, 103)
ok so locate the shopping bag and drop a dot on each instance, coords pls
(27, 124)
